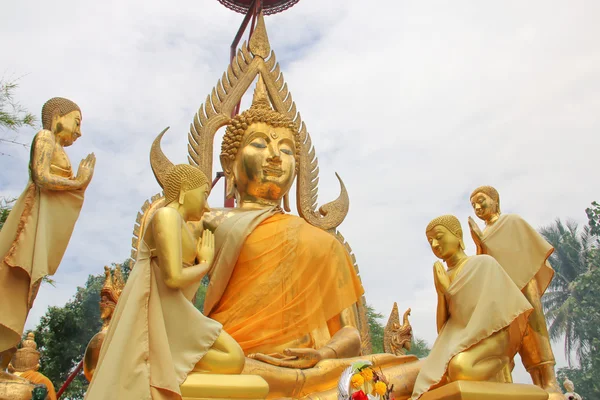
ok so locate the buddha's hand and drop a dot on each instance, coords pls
(476, 235)
(440, 278)
(86, 170)
(205, 251)
(292, 358)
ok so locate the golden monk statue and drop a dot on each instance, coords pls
(36, 234)
(109, 295)
(26, 362)
(157, 337)
(523, 253)
(478, 334)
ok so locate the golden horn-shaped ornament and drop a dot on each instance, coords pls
(158, 161)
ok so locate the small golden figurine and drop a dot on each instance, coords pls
(157, 337)
(478, 333)
(26, 362)
(109, 296)
(523, 253)
(39, 227)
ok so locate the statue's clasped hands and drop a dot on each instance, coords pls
(476, 234)
(440, 278)
(86, 170)
(205, 250)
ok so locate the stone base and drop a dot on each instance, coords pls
(224, 387)
(469, 390)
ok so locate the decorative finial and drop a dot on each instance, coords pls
(259, 42)
(261, 97)
(27, 357)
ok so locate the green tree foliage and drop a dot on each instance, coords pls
(574, 299)
(12, 114)
(570, 259)
(64, 333)
(5, 207)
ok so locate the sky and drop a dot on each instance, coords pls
(414, 104)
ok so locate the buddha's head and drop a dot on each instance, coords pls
(445, 236)
(27, 358)
(63, 118)
(183, 184)
(485, 202)
(260, 151)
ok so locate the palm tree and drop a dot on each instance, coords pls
(571, 258)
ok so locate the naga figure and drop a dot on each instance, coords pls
(481, 317)
(397, 338)
(26, 362)
(286, 288)
(523, 253)
(109, 295)
(157, 338)
(35, 236)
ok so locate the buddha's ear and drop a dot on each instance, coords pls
(462, 244)
(181, 196)
(286, 202)
(229, 178)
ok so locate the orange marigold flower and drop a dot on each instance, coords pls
(367, 373)
(380, 388)
(357, 381)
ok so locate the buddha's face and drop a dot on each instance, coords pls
(195, 202)
(444, 243)
(265, 165)
(68, 128)
(484, 206)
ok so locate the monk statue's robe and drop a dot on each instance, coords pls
(520, 249)
(276, 279)
(33, 241)
(155, 338)
(482, 300)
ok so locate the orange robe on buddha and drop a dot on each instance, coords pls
(277, 278)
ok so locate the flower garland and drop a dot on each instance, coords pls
(361, 382)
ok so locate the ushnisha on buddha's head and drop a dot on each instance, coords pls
(260, 151)
(445, 236)
(63, 118)
(184, 185)
(485, 202)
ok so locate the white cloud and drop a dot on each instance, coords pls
(414, 104)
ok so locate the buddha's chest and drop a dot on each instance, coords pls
(60, 163)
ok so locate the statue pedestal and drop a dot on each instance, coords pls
(470, 390)
(211, 386)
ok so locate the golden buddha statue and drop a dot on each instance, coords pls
(570, 388)
(35, 236)
(157, 337)
(478, 335)
(523, 253)
(109, 295)
(286, 288)
(26, 362)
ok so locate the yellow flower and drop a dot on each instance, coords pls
(357, 381)
(380, 388)
(367, 373)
